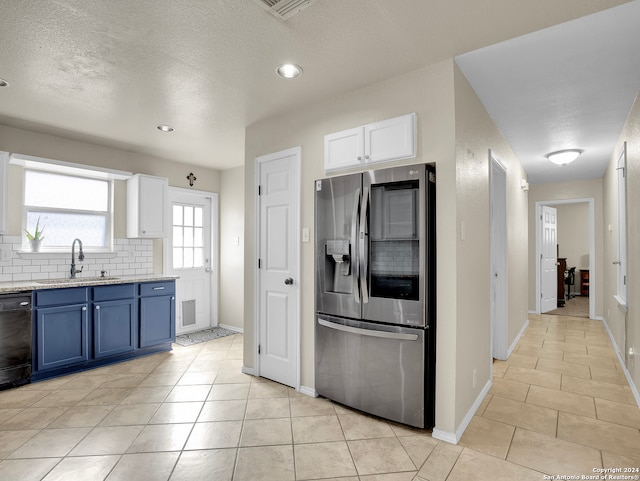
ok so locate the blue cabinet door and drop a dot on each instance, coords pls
(62, 336)
(157, 320)
(114, 327)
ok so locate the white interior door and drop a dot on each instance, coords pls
(499, 289)
(190, 256)
(549, 259)
(278, 269)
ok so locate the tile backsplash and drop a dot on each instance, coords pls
(130, 257)
(400, 257)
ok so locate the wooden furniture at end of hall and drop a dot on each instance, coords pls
(584, 282)
(562, 267)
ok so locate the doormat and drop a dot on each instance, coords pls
(203, 336)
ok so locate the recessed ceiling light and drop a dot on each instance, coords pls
(3, 83)
(564, 157)
(289, 70)
(165, 128)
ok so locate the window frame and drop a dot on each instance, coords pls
(81, 174)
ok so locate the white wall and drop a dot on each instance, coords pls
(573, 237)
(565, 191)
(27, 142)
(476, 134)
(624, 326)
(231, 313)
(573, 234)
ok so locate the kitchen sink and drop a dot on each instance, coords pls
(67, 280)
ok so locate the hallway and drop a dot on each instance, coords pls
(559, 406)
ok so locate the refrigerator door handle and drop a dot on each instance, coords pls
(354, 243)
(363, 251)
(368, 332)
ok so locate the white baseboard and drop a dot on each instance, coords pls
(634, 388)
(249, 370)
(239, 330)
(309, 391)
(454, 438)
(445, 436)
(517, 339)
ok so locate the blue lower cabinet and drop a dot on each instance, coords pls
(157, 320)
(82, 327)
(114, 327)
(62, 336)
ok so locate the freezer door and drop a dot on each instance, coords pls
(337, 204)
(375, 368)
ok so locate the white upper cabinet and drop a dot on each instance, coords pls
(147, 206)
(4, 172)
(391, 139)
(344, 149)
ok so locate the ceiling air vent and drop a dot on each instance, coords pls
(285, 9)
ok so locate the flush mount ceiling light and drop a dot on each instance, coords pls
(289, 70)
(3, 83)
(165, 128)
(564, 157)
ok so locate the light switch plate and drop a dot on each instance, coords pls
(305, 234)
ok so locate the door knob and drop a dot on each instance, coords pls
(288, 281)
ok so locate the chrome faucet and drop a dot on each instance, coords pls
(74, 271)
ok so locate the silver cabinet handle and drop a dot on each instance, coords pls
(363, 250)
(368, 332)
(355, 265)
(288, 281)
(24, 304)
(158, 288)
(84, 308)
(97, 308)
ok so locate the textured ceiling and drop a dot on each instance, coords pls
(109, 71)
(565, 87)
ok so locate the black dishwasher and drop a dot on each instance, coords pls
(15, 339)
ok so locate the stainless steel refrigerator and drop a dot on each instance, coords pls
(375, 292)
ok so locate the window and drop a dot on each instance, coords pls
(68, 207)
(188, 236)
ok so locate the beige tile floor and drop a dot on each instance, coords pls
(560, 405)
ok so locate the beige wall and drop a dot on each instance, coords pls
(566, 191)
(429, 93)
(231, 311)
(462, 193)
(476, 134)
(573, 237)
(624, 326)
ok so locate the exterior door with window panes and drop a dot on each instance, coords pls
(190, 253)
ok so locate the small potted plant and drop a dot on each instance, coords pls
(36, 238)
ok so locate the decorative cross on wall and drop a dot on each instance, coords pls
(191, 178)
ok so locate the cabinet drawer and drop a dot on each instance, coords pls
(57, 297)
(118, 291)
(164, 288)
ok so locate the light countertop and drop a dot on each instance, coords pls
(20, 286)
